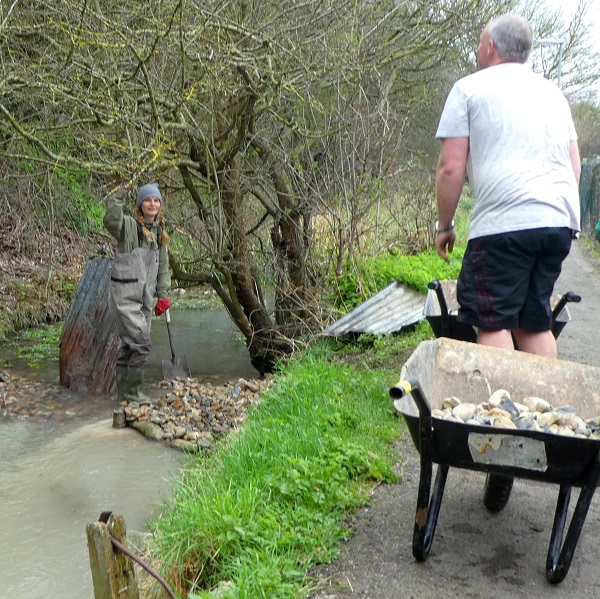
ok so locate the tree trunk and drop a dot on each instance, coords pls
(246, 301)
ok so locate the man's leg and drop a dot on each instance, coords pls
(541, 343)
(500, 338)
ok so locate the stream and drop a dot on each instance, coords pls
(58, 474)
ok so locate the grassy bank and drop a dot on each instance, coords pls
(250, 519)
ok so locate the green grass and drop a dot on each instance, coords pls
(368, 275)
(250, 519)
(384, 351)
(371, 275)
(41, 344)
(271, 501)
(592, 244)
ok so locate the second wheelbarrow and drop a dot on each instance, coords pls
(441, 310)
(444, 367)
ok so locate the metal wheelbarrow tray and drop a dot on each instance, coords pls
(443, 367)
(441, 311)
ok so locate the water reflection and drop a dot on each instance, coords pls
(209, 341)
(207, 337)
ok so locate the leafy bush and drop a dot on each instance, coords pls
(371, 275)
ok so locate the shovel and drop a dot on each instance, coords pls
(177, 368)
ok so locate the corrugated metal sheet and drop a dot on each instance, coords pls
(392, 309)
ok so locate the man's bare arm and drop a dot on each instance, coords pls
(452, 166)
(575, 159)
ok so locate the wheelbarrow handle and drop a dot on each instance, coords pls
(436, 286)
(404, 387)
(570, 296)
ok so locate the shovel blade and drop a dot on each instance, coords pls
(176, 369)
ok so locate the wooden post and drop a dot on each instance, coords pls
(112, 571)
(90, 343)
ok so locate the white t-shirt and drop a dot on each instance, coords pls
(519, 127)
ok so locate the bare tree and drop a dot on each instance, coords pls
(256, 116)
(572, 53)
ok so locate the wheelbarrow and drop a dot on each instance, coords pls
(443, 367)
(441, 310)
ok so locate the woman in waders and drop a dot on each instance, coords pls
(140, 271)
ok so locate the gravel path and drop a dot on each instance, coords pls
(476, 553)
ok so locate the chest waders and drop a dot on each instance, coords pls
(132, 289)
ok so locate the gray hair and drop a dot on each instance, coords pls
(512, 36)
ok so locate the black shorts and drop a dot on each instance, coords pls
(506, 280)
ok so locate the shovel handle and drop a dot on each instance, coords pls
(168, 320)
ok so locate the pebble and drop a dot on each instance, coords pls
(533, 413)
(22, 398)
(190, 414)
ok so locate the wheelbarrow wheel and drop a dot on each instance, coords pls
(497, 491)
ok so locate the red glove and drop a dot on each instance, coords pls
(163, 304)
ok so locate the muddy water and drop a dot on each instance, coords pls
(57, 473)
(207, 338)
(56, 480)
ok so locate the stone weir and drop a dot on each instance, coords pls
(189, 415)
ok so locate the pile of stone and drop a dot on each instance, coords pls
(23, 398)
(532, 413)
(189, 415)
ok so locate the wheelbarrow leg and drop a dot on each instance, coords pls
(428, 511)
(428, 505)
(559, 558)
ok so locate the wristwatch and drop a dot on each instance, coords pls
(439, 229)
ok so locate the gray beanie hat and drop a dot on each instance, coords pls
(149, 190)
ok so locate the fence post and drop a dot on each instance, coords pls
(113, 575)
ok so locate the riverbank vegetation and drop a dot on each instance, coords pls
(252, 518)
(295, 147)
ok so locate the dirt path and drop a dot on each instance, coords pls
(476, 553)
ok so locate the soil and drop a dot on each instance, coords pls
(35, 289)
(476, 553)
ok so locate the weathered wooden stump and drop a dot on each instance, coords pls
(89, 343)
(119, 420)
(113, 573)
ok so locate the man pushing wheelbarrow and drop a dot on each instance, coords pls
(512, 133)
